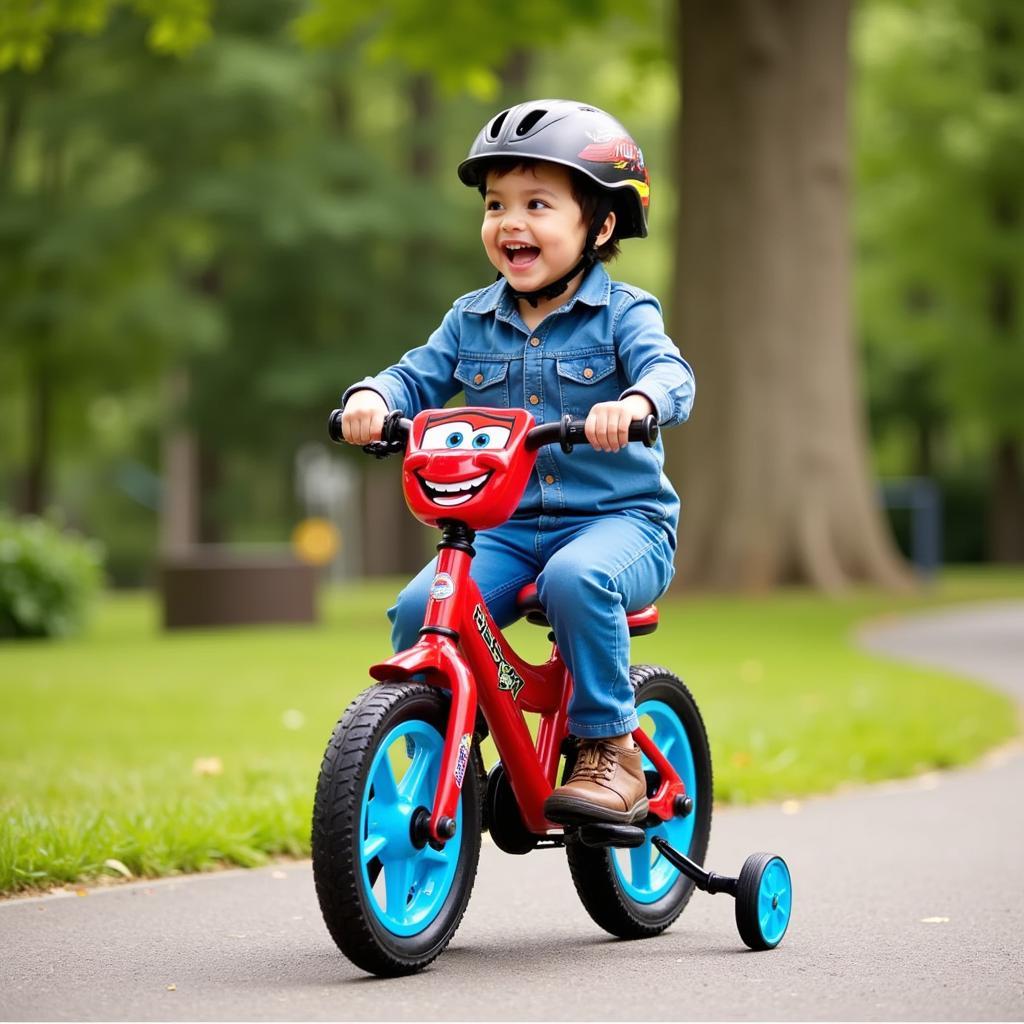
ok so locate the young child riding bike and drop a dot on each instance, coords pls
(562, 183)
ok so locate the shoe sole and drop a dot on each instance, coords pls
(565, 810)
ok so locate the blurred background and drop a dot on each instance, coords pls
(216, 216)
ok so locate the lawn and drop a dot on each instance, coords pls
(128, 748)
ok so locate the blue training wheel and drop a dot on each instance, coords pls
(764, 900)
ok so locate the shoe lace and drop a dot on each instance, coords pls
(595, 761)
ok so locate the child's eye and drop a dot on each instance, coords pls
(538, 204)
(492, 204)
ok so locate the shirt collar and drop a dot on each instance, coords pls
(594, 290)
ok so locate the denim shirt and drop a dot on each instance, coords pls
(606, 342)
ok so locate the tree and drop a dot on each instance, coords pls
(774, 464)
(941, 239)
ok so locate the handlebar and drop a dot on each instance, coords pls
(394, 434)
(568, 432)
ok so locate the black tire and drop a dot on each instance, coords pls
(352, 912)
(599, 883)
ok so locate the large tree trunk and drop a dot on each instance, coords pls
(773, 466)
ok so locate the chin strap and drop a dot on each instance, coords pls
(585, 262)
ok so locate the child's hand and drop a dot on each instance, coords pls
(363, 417)
(607, 426)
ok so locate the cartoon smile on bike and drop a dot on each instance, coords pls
(402, 795)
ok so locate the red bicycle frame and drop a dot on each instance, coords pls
(462, 650)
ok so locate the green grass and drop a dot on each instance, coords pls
(103, 738)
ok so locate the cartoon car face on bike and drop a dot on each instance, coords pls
(467, 464)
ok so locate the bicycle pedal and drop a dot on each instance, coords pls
(602, 834)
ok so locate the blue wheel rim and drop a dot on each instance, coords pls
(409, 885)
(644, 874)
(774, 901)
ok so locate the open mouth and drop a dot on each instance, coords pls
(454, 493)
(519, 254)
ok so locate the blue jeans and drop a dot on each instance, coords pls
(590, 570)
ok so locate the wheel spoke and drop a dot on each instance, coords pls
(372, 845)
(384, 782)
(415, 775)
(640, 863)
(397, 882)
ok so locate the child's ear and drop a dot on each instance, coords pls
(606, 230)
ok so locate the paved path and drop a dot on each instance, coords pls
(909, 905)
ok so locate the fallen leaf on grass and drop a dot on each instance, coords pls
(118, 866)
(207, 766)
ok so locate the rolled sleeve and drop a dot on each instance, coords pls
(652, 362)
(424, 378)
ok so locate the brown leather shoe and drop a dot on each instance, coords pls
(607, 784)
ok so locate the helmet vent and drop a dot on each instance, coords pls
(527, 124)
(495, 126)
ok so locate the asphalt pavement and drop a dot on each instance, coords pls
(908, 905)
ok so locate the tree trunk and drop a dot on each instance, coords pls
(773, 468)
(35, 489)
(179, 503)
(1006, 518)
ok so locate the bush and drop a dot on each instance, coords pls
(48, 579)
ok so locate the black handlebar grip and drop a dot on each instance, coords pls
(645, 430)
(334, 427)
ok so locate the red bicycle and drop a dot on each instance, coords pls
(402, 796)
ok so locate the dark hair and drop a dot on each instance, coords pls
(588, 194)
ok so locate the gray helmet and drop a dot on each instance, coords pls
(575, 135)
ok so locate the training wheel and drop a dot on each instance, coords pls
(764, 900)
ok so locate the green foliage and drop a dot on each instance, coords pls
(177, 752)
(462, 44)
(48, 579)
(940, 147)
(28, 28)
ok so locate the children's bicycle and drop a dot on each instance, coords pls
(402, 796)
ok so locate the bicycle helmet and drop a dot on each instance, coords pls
(580, 137)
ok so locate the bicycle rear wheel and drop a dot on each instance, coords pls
(636, 893)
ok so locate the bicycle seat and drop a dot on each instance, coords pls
(528, 603)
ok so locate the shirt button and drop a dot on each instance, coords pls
(478, 379)
(534, 400)
(549, 479)
(588, 373)
(535, 342)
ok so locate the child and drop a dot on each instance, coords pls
(562, 183)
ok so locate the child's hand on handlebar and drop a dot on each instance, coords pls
(363, 417)
(607, 426)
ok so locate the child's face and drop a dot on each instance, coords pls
(533, 228)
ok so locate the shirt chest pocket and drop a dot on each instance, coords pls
(583, 381)
(484, 381)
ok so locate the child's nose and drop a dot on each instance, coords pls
(513, 219)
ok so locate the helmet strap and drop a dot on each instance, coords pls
(585, 262)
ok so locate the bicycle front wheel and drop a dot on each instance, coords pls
(390, 902)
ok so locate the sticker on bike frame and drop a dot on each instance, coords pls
(442, 587)
(460, 766)
(508, 678)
